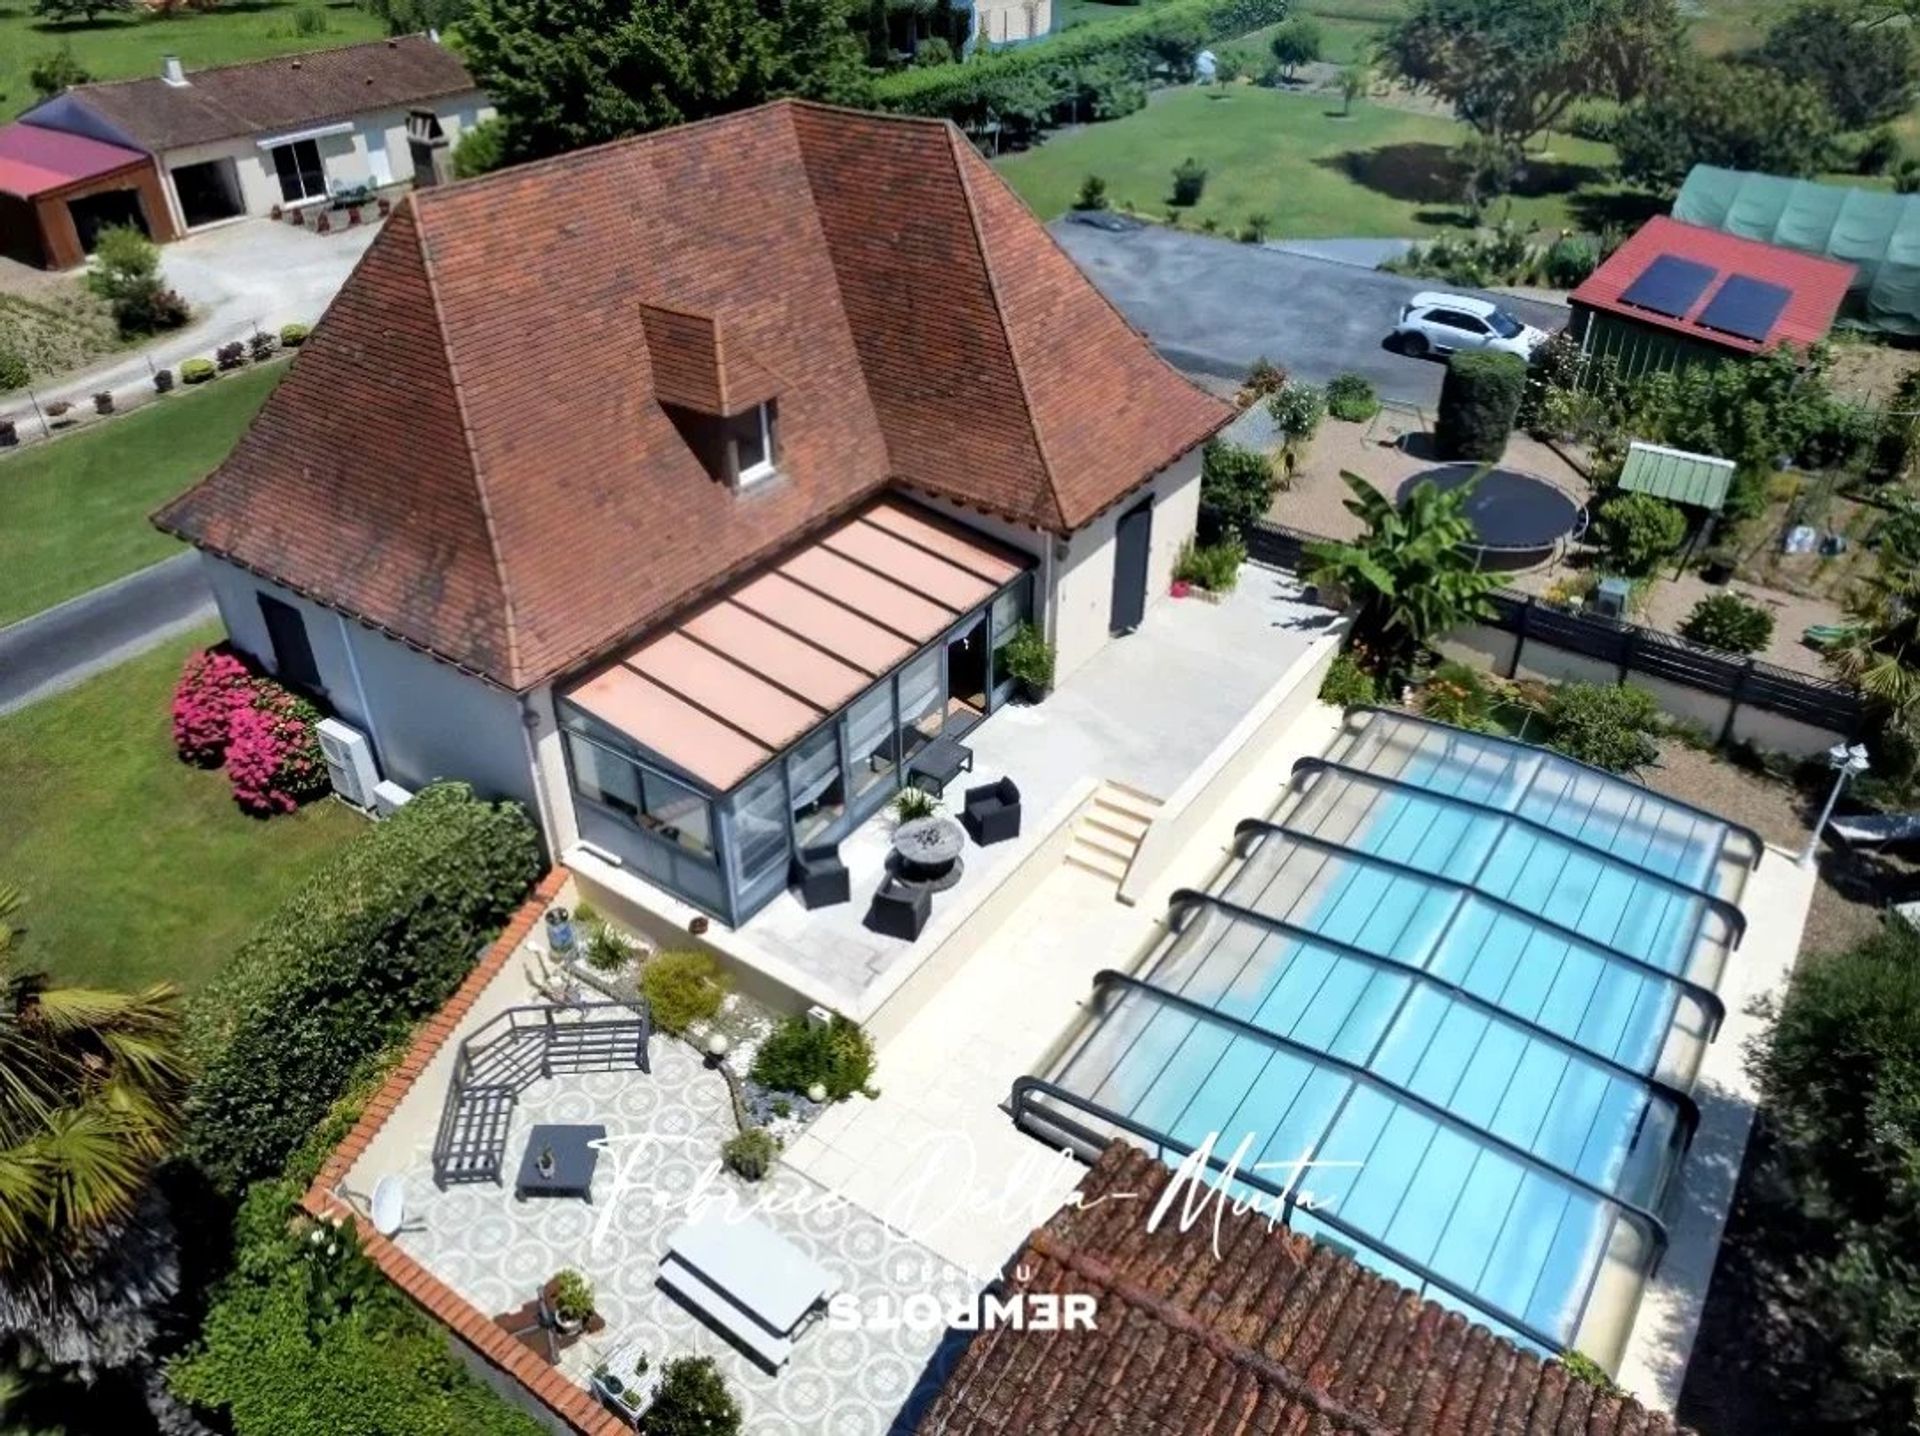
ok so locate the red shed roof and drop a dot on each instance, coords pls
(1814, 286)
(34, 161)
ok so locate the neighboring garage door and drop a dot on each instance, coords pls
(208, 191)
(20, 231)
(95, 212)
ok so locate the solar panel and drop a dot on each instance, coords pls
(1669, 285)
(1746, 306)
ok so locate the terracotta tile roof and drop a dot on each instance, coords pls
(1273, 1334)
(471, 450)
(262, 96)
(1815, 286)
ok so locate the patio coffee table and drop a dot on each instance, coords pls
(927, 852)
(574, 1158)
(939, 763)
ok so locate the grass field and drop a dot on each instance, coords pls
(76, 509)
(118, 47)
(1380, 172)
(137, 868)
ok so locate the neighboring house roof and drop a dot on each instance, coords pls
(728, 687)
(34, 161)
(1814, 287)
(283, 94)
(471, 450)
(1266, 1331)
(1676, 474)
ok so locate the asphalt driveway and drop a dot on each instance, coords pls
(1213, 306)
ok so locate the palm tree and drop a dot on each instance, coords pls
(1879, 651)
(91, 1089)
(1410, 574)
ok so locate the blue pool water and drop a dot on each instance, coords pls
(1469, 977)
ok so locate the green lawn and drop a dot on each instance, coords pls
(76, 509)
(136, 867)
(116, 47)
(1291, 157)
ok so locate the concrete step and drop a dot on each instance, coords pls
(1127, 827)
(1103, 868)
(1119, 849)
(1126, 795)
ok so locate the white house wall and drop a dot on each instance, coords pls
(427, 720)
(346, 155)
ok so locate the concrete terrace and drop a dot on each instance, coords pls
(1146, 712)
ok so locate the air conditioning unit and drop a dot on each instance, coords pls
(350, 765)
(389, 797)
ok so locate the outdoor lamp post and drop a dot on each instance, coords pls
(1847, 761)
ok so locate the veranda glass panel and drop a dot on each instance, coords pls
(819, 793)
(922, 703)
(759, 828)
(870, 740)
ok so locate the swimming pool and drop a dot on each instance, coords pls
(1468, 979)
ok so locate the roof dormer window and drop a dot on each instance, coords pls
(750, 442)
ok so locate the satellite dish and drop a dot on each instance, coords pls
(389, 1205)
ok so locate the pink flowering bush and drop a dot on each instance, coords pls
(274, 759)
(213, 686)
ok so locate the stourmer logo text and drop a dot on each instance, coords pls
(923, 1311)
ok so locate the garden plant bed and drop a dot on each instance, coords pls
(56, 330)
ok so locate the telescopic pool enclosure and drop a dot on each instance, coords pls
(1447, 1000)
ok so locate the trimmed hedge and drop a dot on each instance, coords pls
(1479, 400)
(1029, 87)
(375, 940)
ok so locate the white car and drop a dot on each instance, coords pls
(1441, 323)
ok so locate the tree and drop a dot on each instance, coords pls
(693, 1401)
(482, 148)
(567, 73)
(410, 17)
(1878, 651)
(1718, 112)
(1409, 573)
(1511, 68)
(87, 10)
(126, 274)
(1237, 486)
(54, 71)
(1638, 530)
(1865, 72)
(1355, 80)
(1295, 42)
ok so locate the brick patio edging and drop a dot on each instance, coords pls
(579, 1410)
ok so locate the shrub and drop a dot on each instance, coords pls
(1568, 262)
(103, 402)
(912, 804)
(163, 381)
(292, 336)
(261, 346)
(693, 1401)
(1237, 487)
(151, 311)
(1638, 530)
(214, 685)
(1255, 230)
(1351, 397)
(126, 273)
(9, 433)
(305, 1337)
(1479, 400)
(1264, 379)
(1093, 193)
(1608, 725)
(375, 939)
(682, 988)
(58, 408)
(1295, 43)
(1879, 152)
(1189, 179)
(1214, 567)
(605, 950)
(571, 1295)
(1347, 684)
(14, 370)
(273, 757)
(1030, 658)
(482, 148)
(1459, 695)
(196, 371)
(1728, 622)
(1298, 409)
(230, 356)
(750, 1153)
(798, 1054)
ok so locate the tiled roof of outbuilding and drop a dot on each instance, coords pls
(471, 450)
(1272, 1334)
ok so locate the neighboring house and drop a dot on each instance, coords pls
(1234, 1324)
(684, 487)
(1003, 22)
(276, 134)
(1677, 294)
(58, 191)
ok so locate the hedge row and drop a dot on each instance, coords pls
(1030, 85)
(377, 939)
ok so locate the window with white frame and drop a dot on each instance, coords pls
(751, 435)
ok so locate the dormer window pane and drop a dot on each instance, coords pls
(752, 437)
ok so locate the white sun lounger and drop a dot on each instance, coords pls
(750, 1280)
(1865, 830)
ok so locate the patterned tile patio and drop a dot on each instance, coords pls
(497, 1251)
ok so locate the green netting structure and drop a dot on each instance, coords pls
(1877, 232)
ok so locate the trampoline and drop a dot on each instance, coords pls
(1518, 519)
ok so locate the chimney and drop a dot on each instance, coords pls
(172, 72)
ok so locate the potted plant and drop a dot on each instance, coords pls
(568, 1298)
(545, 1161)
(1029, 660)
(911, 804)
(162, 381)
(103, 402)
(9, 434)
(1717, 565)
